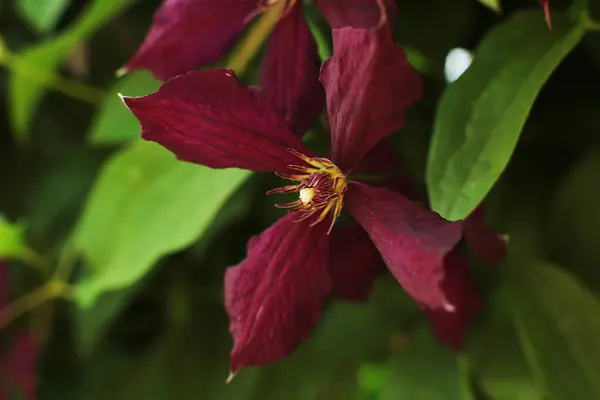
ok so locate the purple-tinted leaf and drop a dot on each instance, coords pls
(451, 327)
(211, 118)
(187, 34)
(354, 263)
(290, 72)
(412, 241)
(274, 297)
(369, 86)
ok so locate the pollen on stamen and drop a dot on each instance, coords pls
(306, 195)
(321, 187)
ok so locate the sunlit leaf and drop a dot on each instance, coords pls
(558, 327)
(42, 15)
(145, 204)
(36, 64)
(11, 239)
(481, 115)
(115, 123)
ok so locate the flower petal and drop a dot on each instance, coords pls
(482, 239)
(21, 365)
(211, 118)
(187, 34)
(354, 263)
(356, 13)
(413, 241)
(384, 168)
(369, 86)
(546, 6)
(451, 328)
(290, 72)
(274, 297)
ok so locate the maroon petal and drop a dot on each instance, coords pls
(384, 168)
(21, 365)
(482, 239)
(369, 86)
(413, 241)
(354, 263)
(451, 328)
(290, 72)
(357, 13)
(211, 118)
(274, 297)
(187, 34)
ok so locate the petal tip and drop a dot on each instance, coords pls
(121, 71)
(230, 377)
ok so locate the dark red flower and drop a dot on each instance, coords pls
(451, 328)
(18, 360)
(187, 34)
(274, 297)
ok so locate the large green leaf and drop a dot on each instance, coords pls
(558, 323)
(349, 335)
(575, 220)
(43, 15)
(495, 355)
(144, 205)
(115, 123)
(426, 370)
(35, 66)
(481, 115)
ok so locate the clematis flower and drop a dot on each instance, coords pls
(355, 262)
(18, 360)
(274, 297)
(187, 34)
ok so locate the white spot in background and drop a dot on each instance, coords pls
(457, 62)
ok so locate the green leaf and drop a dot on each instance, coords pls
(115, 123)
(575, 218)
(144, 205)
(481, 115)
(495, 355)
(12, 243)
(42, 15)
(33, 69)
(558, 326)
(426, 370)
(349, 335)
(493, 5)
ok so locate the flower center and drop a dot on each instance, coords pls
(321, 188)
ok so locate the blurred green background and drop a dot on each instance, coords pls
(145, 240)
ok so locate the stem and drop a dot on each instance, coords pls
(588, 22)
(70, 88)
(52, 290)
(66, 262)
(247, 49)
(33, 259)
